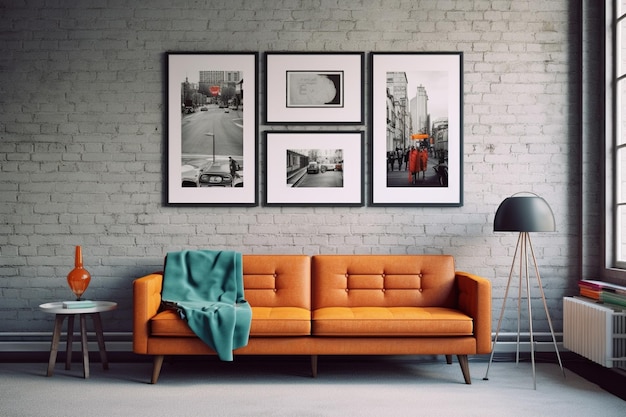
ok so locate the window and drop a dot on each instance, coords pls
(616, 130)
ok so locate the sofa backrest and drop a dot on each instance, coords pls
(383, 281)
(277, 280)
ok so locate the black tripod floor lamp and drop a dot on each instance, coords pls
(524, 214)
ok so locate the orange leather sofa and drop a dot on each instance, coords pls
(337, 305)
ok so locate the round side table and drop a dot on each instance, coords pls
(61, 313)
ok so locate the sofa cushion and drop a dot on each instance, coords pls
(277, 287)
(277, 280)
(169, 323)
(266, 321)
(280, 321)
(390, 321)
(383, 281)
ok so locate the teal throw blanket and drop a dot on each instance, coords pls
(207, 288)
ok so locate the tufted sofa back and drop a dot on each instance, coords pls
(277, 280)
(383, 281)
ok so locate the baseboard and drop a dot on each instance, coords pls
(40, 341)
(122, 342)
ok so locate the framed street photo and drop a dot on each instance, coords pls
(314, 88)
(212, 128)
(314, 168)
(417, 129)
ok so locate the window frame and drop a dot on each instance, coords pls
(615, 21)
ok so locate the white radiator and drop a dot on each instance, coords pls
(595, 331)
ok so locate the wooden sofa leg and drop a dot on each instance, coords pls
(464, 362)
(156, 368)
(449, 359)
(314, 366)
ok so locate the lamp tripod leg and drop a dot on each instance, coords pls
(506, 295)
(526, 240)
(545, 306)
(519, 296)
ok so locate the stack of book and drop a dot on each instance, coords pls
(79, 304)
(603, 292)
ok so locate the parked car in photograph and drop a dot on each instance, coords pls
(313, 168)
(207, 172)
(191, 170)
(218, 175)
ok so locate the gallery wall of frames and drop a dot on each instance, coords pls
(313, 157)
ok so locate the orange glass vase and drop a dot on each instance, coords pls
(78, 278)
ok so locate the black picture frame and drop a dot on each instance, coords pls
(314, 88)
(212, 128)
(309, 168)
(416, 105)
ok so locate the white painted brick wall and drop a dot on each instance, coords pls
(82, 136)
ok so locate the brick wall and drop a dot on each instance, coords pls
(82, 138)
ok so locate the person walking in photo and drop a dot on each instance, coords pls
(423, 162)
(413, 165)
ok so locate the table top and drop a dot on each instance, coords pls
(57, 308)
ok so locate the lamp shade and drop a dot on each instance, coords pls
(524, 214)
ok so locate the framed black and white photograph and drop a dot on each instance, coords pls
(417, 129)
(314, 169)
(314, 87)
(212, 128)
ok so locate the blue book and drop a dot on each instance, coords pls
(78, 304)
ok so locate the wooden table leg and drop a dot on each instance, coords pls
(70, 341)
(54, 347)
(85, 347)
(100, 336)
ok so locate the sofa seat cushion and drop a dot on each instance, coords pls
(280, 321)
(266, 321)
(168, 323)
(390, 321)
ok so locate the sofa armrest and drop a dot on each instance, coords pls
(475, 301)
(146, 303)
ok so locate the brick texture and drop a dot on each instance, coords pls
(82, 138)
